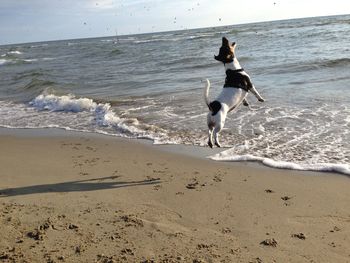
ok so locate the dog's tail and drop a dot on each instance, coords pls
(206, 93)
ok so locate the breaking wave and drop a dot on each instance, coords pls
(95, 117)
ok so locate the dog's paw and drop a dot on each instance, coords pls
(261, 100)
(210, 144)
(217, 144)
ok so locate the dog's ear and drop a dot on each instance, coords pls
(225, 42)
(233, 45)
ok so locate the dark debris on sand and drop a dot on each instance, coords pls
(269, 242)
(300, 236)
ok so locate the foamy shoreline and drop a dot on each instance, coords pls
(92, 198)
(226, 155)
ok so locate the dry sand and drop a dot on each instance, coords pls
(100, 199)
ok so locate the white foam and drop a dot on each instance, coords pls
(259, 130)
(102, 112)
(38, 46)
(230, 155)
(30, 60)
(15, 52)
(3, 61)
(88, 115)
(150, 40)
(66, 103)
(48, 59)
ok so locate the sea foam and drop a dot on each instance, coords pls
(16, 52)
(3, 61)
(65, 103)
(230, 155)
(87, 113)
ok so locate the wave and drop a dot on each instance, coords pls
(30, 60)
(15, 61)
(309, 66)
(202, 36)
(64, 103)
(181, 61)
(3, 62)
(116, 52)
(95, 117)
(32, 74)
(39, 45)
(338, 21)
(229, 155)
(11, 62)
(12, 54)
(145, 41)
(16, 52)
(162, 39)
(175, 37)
(38, 84)
(340, 62)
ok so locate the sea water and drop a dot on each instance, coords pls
(150, 86)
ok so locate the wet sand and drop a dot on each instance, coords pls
(87, 198)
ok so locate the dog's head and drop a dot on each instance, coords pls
(226, 52)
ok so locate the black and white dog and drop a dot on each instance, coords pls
(236, 87)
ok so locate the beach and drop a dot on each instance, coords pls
(104, 156)
(93, 198)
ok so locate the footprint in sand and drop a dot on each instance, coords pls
(217, 178)
(192, 185)
(271, 242)
(91, 148)
(195, 184)
(335, 229)
(157, 187)
(286, 200)
(299, 235)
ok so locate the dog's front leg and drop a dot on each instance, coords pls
(245, 102)
(256, 93)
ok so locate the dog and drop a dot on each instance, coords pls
(235, 90)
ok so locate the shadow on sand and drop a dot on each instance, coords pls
(103, 183)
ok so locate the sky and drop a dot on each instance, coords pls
(24, 21)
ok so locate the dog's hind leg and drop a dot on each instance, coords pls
(210, 136)
(219, 125)
(210, 130)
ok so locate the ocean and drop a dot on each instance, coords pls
(150, 87)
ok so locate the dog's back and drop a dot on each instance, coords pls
(228, 99)
(231, 97)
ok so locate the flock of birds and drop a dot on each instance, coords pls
(148, 9)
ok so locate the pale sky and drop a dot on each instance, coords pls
(41, 20)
